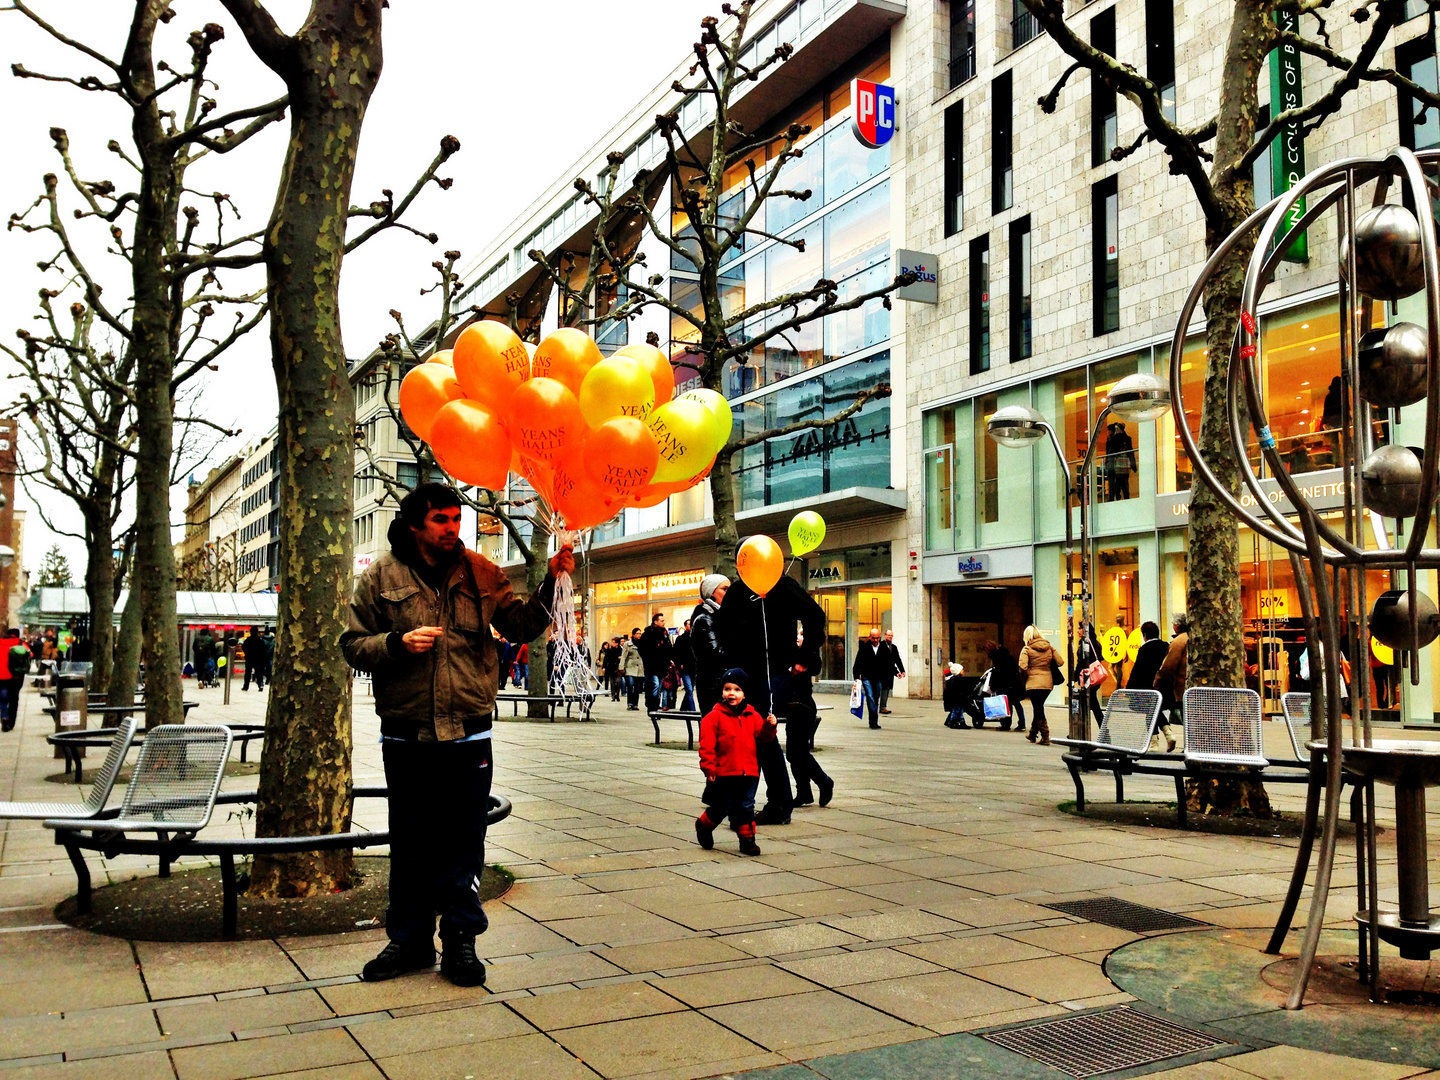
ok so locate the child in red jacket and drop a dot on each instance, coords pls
(728, 735)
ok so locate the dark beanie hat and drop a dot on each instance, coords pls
(738, 677)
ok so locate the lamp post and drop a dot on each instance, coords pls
(1137, 399)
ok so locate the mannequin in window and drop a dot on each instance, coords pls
(1120, 462)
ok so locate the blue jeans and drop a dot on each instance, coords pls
(522, 675)
(872, 689)
(7, 697)
(653, 698)
(688, 705)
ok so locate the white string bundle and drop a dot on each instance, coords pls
(569, 663)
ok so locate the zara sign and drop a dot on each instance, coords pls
(872, 111)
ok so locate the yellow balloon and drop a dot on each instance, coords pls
(617, 386)
(685, 433)
(719, 409)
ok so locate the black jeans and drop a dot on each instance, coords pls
(439, 801)
(632, 690)
(1039, 724)
(799, 747)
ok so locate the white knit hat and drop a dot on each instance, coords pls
(709, 583)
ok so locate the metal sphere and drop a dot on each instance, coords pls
(1394, 365)
(1390, 478)
(1389, 264)
(1390, 619)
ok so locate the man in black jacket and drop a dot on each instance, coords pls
(871, 666)
(767, 642)
(1147, 664)
(894, 666)
(655, 649)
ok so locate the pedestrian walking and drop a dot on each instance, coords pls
(1148, 658)
(520, 672)
(795, 697)
(685, 664)
(1170, 679)
(14, 665)
(952, 696)
(1036, 660)
(420, 620)
(506, 651)
(610, 666)
(632, 664)
(730, 734)
(1005, 679)
(655, 650)
(894, 668)
(871, 665)
(759, 635)
(257, 659)
(705, 640)
(203, 651)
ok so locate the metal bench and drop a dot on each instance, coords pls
(552, 702)
(1128, 726)
(72, 744)
(1296, 707)
(692, 723)
(119, 744)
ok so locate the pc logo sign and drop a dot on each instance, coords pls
(872, 107)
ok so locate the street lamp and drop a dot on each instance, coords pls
(1136, 399)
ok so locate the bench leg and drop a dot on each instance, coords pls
(656, 724)
(244, 747)
(1181, 810)
(1119, 786)
(82, 879)
(1079, 786)
(689, 735)
(227, 880)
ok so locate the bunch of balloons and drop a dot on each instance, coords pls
(760, 562)
(592, 434)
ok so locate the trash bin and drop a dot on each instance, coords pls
(71, 712)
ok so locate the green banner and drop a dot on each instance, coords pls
(1287, 152)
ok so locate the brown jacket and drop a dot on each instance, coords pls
(453, 686)
(1170, 679)
(1034, 664)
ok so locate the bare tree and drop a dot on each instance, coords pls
(1221, 181)
(330, 67)
(180, 318)
(717, 223)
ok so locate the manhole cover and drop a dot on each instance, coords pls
(1102, 1042)
(1137, 918)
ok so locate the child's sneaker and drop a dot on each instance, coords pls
(706, 836)
(748, 846)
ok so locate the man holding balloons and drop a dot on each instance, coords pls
(420, 621)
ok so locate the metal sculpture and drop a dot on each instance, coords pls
(1385, 253)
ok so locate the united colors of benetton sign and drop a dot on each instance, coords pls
(872, 112)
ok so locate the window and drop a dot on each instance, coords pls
(1419, 127)
(987, 461)
(1023, 26)
(954, 168)
(407, 474)
(1001, 173)
(940, 480)
(979, 305)
(1102, 98)
(1021, 346)
(1264, 182)
(962, 41)
(1105, 254)
(1160, 51)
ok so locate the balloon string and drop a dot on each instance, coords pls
(765, 651)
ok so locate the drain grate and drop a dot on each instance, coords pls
(1111, 911)
(1102, 1042)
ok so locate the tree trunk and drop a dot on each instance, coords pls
(125, 675)
(722, 502)
(330, 68)
(100, 593)
(539, 682)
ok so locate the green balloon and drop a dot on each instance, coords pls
(807, 532)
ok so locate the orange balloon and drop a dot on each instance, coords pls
(567, 356)
(662, 372)
(649, 495)
(544, 419)
(621, 455)
(581, 501)
(490, 362)
(470, 444)
(539, 475)
(760, 563)
(423, 392)
(444, 356)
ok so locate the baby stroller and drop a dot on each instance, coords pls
(207, 676)
(975, 706)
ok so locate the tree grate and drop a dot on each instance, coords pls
(1101, 1042)
(1122, 914)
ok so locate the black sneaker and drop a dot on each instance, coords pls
(396, 959)
(748, 846)
(460, 965)
(705, 836)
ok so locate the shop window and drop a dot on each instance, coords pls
(987, 462)
(962, 41)
(954, 168)
(858, 451)
(979, 305)
(1105, 254)
(940, 480)
(1001, 124)
(1021, 343)
(1116, 460)
(1419, 127)
(1160, 52)
(857, 235)
(1116, 574)
(1103, 115)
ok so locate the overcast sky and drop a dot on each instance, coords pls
(527, 88)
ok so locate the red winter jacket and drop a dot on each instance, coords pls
(727, 741)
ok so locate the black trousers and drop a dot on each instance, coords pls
(439, 801)
(799, 747)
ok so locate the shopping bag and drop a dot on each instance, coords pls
(997, 707)
(857, 699)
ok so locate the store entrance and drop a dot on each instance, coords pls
(980, 613)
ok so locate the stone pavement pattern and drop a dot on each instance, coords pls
(866, 941)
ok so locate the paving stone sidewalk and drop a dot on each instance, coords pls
(868, 940)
